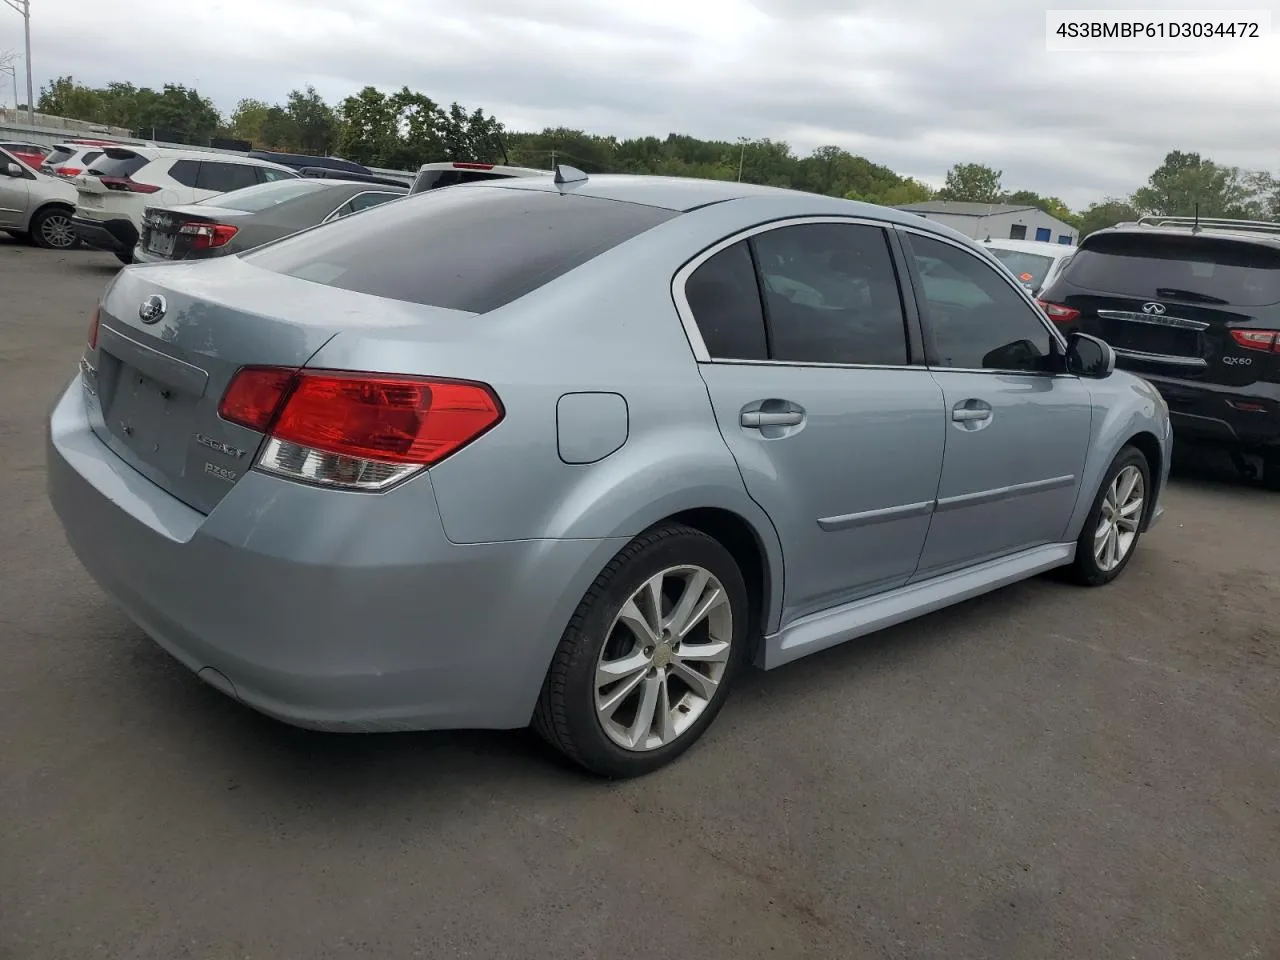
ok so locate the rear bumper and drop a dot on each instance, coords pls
(326, 610)
(1212, 412)
(117, 236)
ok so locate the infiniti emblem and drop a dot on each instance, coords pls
(153, 308)
(1156, 309)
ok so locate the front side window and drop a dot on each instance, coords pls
(831, 294)
(977, 320)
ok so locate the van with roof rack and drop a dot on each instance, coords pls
(432, 176)
(1191, 304)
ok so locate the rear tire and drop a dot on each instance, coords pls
(51, 229)
(1114, 524)
(649, 656)
(1271, 470)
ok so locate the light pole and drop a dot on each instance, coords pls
(742, 155)
(24, 8)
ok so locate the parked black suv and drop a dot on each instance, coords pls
(1193, 306)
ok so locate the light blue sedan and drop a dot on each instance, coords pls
(573, 451)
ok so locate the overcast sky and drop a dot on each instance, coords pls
(914, 84)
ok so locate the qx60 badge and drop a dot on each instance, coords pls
(152, 309)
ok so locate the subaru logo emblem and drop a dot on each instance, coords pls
(153, 309)
(1153, 309)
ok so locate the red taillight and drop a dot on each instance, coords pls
(68, 171)
(206, 236)
(1266, 340)
(93, 328)
(127, 185)
(467, 165)
(1057, 312)
(254, 395)
(357, 430)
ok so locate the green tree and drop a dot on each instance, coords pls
(367, 127)
(1050, 205)
(315, 127)
(972, 181)
(248, 119)
(1187, 182)
(64, 97)
(1106, 213)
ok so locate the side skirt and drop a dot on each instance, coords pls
(818, 631)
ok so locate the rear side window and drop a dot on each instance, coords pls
(91, 156)
(363, 201)
(1207, 269)
(186, 172)
(435, 179)
(1029, 268)
(472, 250)
(58, 155)
(831, 294)
(118, 163)
(225, 177)
(271, 175)
(724, 299)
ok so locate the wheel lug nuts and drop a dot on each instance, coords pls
(648, 651)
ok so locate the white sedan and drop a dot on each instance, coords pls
(1033, 262)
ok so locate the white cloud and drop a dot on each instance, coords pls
(914, 84)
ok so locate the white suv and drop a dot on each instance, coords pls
(115, 191)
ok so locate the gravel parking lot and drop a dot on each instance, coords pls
(1044, 772)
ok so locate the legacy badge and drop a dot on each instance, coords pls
(218, 445)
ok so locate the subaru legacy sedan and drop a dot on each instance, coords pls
(573, 452)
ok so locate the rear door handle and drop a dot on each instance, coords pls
(965, 414)
(759, 418)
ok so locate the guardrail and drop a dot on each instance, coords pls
(47, 135)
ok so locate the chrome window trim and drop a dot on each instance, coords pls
(685, 312)
(1010, 280)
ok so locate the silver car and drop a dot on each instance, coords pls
(573, 452)
(35, 206)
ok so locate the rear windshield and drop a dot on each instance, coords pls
(118, 163)
(468, 248)
(263, 196)
(1212, 269)
(435, 179)
(58, 155)
(1030, 268)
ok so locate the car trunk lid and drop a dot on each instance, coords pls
(170, 339)
(177, 232)
(1175, 304)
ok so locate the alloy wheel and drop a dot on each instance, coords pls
(663, 659)
(56, 231)
(1119, 519)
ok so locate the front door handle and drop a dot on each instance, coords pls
(761, 418)
(967, 414)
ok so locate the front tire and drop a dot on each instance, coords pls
(1114, 525)
(649, 656)
(51, 229)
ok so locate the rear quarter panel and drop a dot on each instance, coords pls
(609, 326)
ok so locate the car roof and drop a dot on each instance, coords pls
(1044, 248)
(683, 194)
(1258, 234)
(183, 153)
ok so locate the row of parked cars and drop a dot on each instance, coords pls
(137, 201)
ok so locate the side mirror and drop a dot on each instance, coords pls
(1089, 357)
(13, 170)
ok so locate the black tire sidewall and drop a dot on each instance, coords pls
(1086, 565)
(594, 748)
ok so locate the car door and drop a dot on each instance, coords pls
(1017, 428)
(813, 365)
(15, 195)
